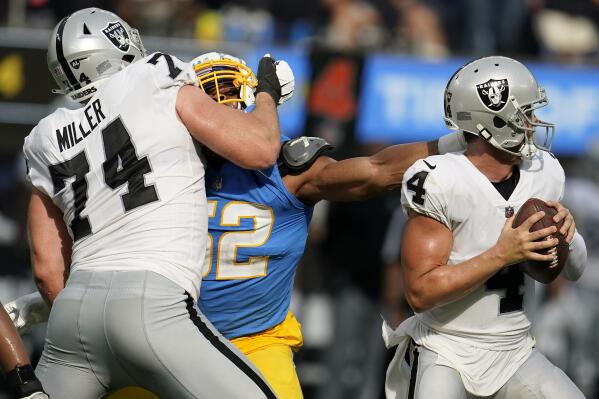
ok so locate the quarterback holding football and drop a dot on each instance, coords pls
(461, 254)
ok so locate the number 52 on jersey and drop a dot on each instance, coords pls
(227, 263)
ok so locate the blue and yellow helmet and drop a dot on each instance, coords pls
(225, 78)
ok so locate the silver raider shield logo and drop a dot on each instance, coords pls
(509, 212)
(118, 36)
(494, 93)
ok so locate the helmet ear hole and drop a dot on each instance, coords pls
(86, 30)
(128, 58)
(498, 122)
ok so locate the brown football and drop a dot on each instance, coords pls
(544, 272)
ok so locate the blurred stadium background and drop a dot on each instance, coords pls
(368, 73)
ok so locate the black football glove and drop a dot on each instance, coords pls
(268, 81)
(24, 384)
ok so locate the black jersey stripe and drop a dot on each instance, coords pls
(225, 350)
(60, 55)
(413, 374)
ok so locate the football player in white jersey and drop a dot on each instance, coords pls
(470, 336)
(118, 217)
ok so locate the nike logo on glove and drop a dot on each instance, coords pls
(429, 165)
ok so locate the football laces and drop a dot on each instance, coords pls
(553, 251)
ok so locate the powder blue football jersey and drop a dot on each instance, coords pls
(257, 234)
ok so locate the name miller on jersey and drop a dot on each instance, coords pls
(67, 136)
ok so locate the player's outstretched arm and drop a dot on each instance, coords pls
(362, 177)
(426, 246)
(250, 140)
(50, 244)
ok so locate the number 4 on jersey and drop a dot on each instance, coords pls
(416, 184)
(510, 280)
(118, 147)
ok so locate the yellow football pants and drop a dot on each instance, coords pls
(275, 362)
(132, 393)
(271, 351)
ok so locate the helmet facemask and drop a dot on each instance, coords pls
(135, 41)
(226, 79)
(525, 128)
(537, 133)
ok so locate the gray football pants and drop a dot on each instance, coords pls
(108, 330)
(537, 378)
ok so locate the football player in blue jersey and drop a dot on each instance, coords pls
(258, 224)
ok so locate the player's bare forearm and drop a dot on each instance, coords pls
(364, 177)
(347, 180)
(50, 244)
(12, 351)
(427, 243)
(266, 112)
(448, 283)
(430, 281)
(49, 282)
(249, 140)
(259, 132)
(392, 162)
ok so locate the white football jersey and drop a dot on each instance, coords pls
(450, 189)
(126, 174)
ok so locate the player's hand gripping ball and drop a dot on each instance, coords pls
(543, 271)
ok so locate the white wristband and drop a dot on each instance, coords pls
(577, 259)
(452, 142)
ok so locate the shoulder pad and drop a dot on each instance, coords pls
(299, 154)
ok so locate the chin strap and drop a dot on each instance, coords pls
(527, 150)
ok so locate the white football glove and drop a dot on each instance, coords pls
(37, 395)
(286, 79)
(27, 311)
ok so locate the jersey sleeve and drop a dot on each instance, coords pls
(553, 175)
(37, 162)
(423, 192)
(562, 181)
(170, 71)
